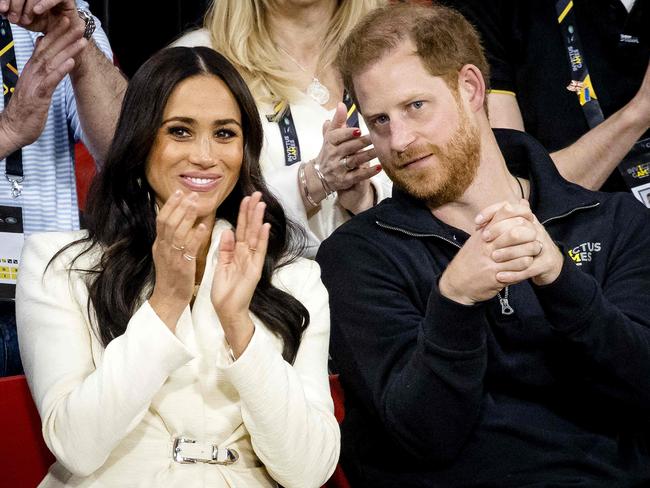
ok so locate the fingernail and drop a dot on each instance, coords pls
(378, 168)
(479, 219)
(177, 193)
(486, 235)
(356, 132)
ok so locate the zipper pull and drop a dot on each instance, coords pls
(506, 309)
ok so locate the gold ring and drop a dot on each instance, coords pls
(188, 257)
(252, 249)
(176, 248)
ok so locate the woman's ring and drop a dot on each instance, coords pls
(188, 257)
(344, 162)
(176, 248)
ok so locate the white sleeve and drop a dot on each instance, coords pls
(288, 410)
(86, 408)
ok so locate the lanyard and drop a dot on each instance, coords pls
(635, 166)
(14, 162)
(289, 135)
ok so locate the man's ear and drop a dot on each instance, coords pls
(472, 85)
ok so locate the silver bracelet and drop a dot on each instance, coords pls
(328, 191)
(303, 184)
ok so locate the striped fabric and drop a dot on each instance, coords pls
(49, 197)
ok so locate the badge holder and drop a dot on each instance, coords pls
(11, 244)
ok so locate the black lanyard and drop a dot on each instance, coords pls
(635, 167)
(14, 162)
(289, 135)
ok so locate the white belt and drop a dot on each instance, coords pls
(189, 451)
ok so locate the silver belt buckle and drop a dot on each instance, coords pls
(189, 451)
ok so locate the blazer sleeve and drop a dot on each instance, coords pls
(288, 409)
(87, 405)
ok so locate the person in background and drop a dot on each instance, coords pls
(490, 321)
(180, 338)
(60, 87)
(576, 76)
(315, 158)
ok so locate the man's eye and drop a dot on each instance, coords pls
(381, 120)
(417, 104)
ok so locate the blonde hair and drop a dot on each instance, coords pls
(239, 30)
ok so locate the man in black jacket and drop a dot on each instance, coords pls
(490, 321)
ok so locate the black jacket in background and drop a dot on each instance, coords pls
(442, 394)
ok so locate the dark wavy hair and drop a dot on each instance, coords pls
(121, 212)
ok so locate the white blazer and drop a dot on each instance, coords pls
(110, 415)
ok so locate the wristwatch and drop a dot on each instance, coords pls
(89, 20)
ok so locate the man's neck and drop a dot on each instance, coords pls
(493, 183)
(301, 30)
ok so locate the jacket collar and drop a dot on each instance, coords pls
(551, 196)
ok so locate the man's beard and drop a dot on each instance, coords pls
(446, 181)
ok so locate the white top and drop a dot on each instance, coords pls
(49, 197)
(110, 415)
(308, 117)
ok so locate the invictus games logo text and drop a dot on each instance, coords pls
(584, 252)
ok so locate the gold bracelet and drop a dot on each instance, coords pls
(303, 184)
(328, 191)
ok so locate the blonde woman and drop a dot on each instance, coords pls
(315, 157)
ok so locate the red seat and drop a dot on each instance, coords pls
(24, 457)
(338, 479)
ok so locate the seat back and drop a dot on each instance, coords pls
(338, 479)
(24, 457)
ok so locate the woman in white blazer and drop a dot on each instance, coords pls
(179, 341)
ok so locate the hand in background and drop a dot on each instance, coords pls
(239, 268)
(23, 120)
(41, 15)
(344, 162)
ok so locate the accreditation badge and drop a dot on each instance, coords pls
(11, 245)
(635, 169)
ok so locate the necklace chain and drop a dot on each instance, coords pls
(294, 60)
(316, 90)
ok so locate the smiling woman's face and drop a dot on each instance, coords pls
(199, 146)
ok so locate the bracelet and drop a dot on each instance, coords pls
(328, 191)
(303, 185)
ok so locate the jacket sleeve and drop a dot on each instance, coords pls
(416, 365)
(288, 409)
(608, 317)
(86, 408)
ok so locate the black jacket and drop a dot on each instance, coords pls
(442, 394)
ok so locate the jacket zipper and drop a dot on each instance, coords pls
(584, 207)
